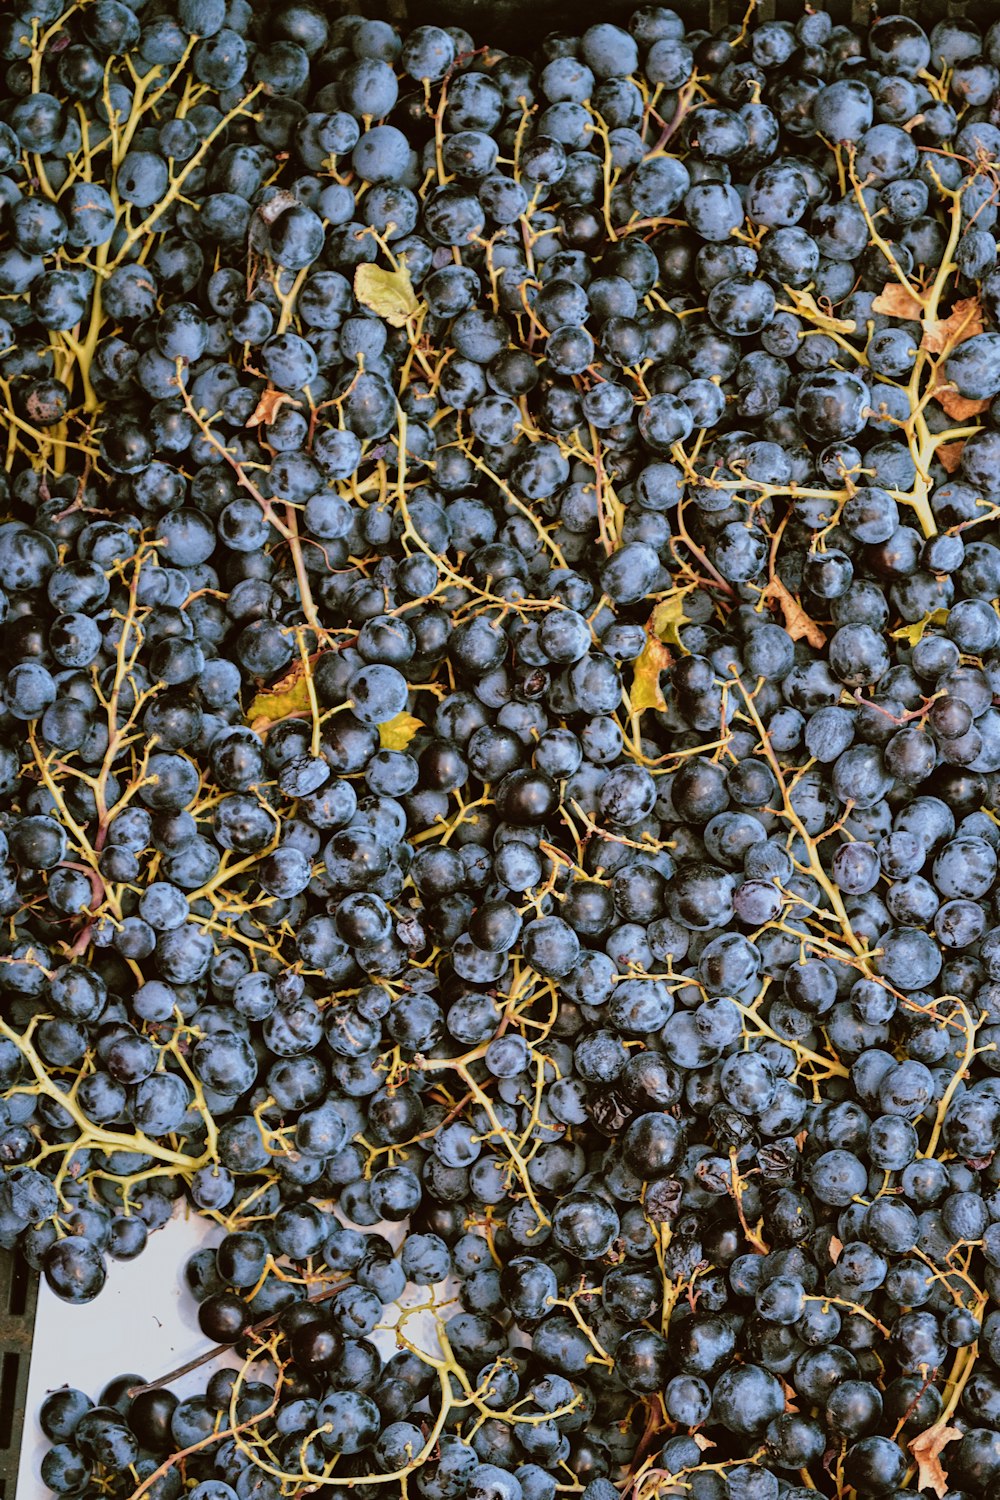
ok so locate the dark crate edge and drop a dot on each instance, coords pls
(18, 1300)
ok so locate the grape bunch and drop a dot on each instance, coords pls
(500, 745)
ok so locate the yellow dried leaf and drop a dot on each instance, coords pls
(949, 455)
(807, 306)
(965, 320)
(662, 634)
(668, 617)
(654, 658)
(288, 696)
(926, 1449)
(896, 302)
(800, 625)
(955, 406)
(389, 294)
(396, 734)
(268, 406)
(914, 632)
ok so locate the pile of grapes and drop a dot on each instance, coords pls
(499, 772)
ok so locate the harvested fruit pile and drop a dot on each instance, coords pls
(498, 754)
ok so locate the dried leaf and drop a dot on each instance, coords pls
(703, 1442)
(668, 617)
(791, 1395)
(915, 632)
(289, 695)
(926, 1449)
(389, 294)
(662, 634)
(800, 625)
(270, 403)
(836, 1246)
(805, 304)
(654, 658)
(949, 455)
(965, 320)
(396, 734)
(955, 406)
(896, 302)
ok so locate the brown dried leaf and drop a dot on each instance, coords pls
(949, 455)
(896, 302)
(955, 406)
(791, 1395)
(965, 320)
(703, 1442)
(836, 1246)
(270, 403)
(926, 1448)
(800, 625)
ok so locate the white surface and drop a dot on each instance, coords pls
(144, 1321)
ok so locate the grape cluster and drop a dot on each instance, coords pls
(499, 772)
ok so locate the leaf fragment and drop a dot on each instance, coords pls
(836, 1248)
(389, 294)
(963, 322)
(668, 617)
(799, 624)
(914, 632)
(289, 695)
(897, 302)
(791, 1395)
(270, 403)
(654, 658)
(926, 1448)
(662, 641)
(396, 734)
(806, 304)
(955, 406)
(949, 455)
